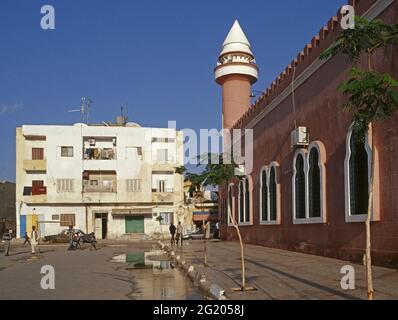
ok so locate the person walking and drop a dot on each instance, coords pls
(34, 240)
(180, 231)
(172, 230)
(216, 234)
(7, 236)
(27, 239)
(71, 235)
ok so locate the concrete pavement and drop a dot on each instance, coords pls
(85, 274)
(279, 274)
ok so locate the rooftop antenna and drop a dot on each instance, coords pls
(124, 111)
(84, 109)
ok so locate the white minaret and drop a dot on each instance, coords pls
(236, 71)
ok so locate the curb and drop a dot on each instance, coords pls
(212, 290)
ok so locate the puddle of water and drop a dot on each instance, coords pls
(33, 258)
(157, 278)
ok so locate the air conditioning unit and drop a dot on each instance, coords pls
(300, 137)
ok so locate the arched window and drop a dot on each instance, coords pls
(264, 195)
(241, 201)
(269, 195)
(273, 194)
(314, 184)
(358, 175)
(244, 201)
(309, 204)
(299, 187)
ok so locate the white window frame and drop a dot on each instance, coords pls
(273, 165)
(375, 201)
(321, 163)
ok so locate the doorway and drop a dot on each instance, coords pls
(101, 225)
(134, 224)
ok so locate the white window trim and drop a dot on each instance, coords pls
(244, 223)
(267, 169)
(368, 147)
(321, 163)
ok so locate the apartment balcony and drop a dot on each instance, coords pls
(35, 165)
(35, 194)
(35, 199)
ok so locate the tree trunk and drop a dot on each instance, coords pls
(242, 255)
(205, 251)
(368, 259)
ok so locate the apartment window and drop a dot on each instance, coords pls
(37, 153)
(66, 152)
(55, 217)
(163, 140)
(67, 220)
(64, 185)
(309, 185)
(133, 185)
(167, 218)
(38, 187)
(37, 183)
(161, 185)
(162, 155)
(299, 187)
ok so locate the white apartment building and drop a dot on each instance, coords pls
(114, 180)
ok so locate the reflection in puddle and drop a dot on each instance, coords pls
(157, 277)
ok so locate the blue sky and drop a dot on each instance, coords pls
(158, 56)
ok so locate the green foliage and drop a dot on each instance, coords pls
(215, 173)
(159, 218)
(180, 170)
(373, 97)
(366, 37)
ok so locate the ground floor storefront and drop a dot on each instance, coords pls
(106, 221)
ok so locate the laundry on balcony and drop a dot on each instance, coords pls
(99, 154)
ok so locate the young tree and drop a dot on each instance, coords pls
(372, 96)
(217, 173)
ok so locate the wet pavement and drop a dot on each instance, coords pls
(157, 277)
(129, 271)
